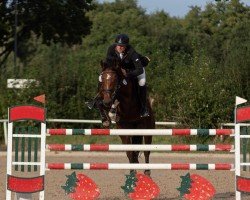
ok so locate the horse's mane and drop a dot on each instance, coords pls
(112, 64)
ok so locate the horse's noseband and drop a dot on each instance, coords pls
(107, 90)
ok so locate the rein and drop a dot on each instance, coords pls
(117, 87)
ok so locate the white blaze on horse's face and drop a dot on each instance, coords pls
(108, 76)
(109, 81)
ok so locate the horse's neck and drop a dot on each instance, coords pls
(128, 99)
(129, 92)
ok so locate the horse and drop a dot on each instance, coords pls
(115, 86)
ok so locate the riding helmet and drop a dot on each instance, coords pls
(122, 39)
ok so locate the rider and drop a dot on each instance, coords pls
(130, 62)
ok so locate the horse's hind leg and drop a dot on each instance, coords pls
(147, 140)
(135, 154)
(127, 140)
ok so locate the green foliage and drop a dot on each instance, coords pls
(130, 183)
(202, 97)
(55, 21)
(71, 183)
(199, 63)
(186, 182)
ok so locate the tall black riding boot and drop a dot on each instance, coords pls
(143, 99)
(92, 104)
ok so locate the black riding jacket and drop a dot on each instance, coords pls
(130, 61)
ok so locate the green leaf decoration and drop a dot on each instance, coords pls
(70, 184)
(130, 183)
(186, 182)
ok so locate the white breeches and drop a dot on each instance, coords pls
(142, 78)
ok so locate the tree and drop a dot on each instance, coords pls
(199, 63)
(58, 21)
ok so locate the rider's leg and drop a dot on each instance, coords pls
(143, 94)
(91, 104)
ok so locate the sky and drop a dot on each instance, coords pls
(177, 8)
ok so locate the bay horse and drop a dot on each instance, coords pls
(116, 86)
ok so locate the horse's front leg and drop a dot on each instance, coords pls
(106, 121)
(147, 140)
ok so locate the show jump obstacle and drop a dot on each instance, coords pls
(30, 144)
(19, 137)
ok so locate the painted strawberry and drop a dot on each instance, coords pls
(81, 187)
(196, 187)
(140, 187)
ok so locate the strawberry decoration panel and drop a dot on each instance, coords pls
(80, 186)
(196, 187)
(139, 186)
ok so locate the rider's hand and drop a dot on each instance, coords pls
(124, 72)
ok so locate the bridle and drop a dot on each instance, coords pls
(112, 92)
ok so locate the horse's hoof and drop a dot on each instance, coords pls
(147, 173)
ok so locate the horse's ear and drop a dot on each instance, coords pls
(102, 64)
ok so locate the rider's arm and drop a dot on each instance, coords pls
(138, 66)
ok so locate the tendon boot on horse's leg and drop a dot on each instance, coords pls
(106, 122)
(92, 104)
(143, 100)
